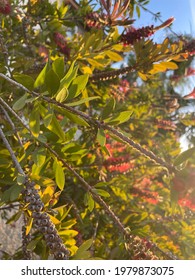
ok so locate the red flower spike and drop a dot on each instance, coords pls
(189, 47)
(133, 35)
(5, 7)
(61, 43)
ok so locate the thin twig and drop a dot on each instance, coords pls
(12, 125)
(9, 148)
(158, 17)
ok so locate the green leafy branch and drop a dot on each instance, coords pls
(100, 124)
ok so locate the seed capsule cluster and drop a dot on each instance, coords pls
(43, 223)
(140, 249)
(25, 240)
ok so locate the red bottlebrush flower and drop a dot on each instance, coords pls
(61, 43)
(191, 95)
(190, 71)
(116, 160)
(185, 202)
(133, 35)
(150, 196)
(189, 47)
(5, 7)
(166, 125)
(93, 20)
(121, 168)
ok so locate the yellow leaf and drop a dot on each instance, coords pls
(54, 220)
(113, 55)
(29, 225)
(142, 76)
(159, 67)
(47, 194)
(169, 65)
(86, 70)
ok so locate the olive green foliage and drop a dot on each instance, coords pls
(97, 145)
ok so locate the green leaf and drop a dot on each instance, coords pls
(25, 80)
(119, 118)
(78, 84)
(89, 201)
(15, 192)
(62, 95)
(83, 248)
(108, 108)
(21, 179)
(59, 174)
(76, 119)
(83, 100)
(15, 217)
(55, 127)
(40, 80)
(20, 103)
(70, 75)
(184, 156)
(58, 67)
(52, 82)
(101, 192)
(138, 11)
(101, 138)
(101, 184)
(33, 243)
(40, 157)
(34, 122)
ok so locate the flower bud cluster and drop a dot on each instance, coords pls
(133, 35)
(43, 223)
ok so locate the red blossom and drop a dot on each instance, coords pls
(189, 47)
(185, 202)
(191, 95)
(93, 20)
(121, 168)
(61, 43)
(5, 7)
(150, 196)
(190, 71)
(166, 124)
(133, 35)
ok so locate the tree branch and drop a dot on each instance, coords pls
(97, 123)
(14, 159)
